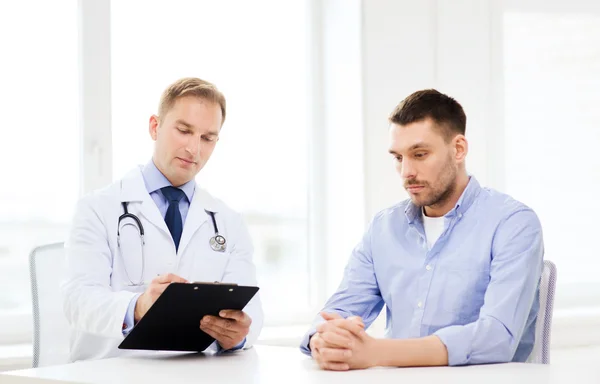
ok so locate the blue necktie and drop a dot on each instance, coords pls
(173, 216)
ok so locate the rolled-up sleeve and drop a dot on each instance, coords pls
(517, 257)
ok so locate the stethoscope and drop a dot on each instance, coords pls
(217, 242)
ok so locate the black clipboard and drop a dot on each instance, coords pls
(173, 322)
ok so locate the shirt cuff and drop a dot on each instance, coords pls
(305, 344)
(457, 343)
(129, 320)
(236, 348)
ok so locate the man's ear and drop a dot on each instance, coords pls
(153, 125)
(461, 148)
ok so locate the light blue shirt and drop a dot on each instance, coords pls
(476, 288)
(154, 181)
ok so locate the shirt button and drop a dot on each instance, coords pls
(428, 267)
(420, 305)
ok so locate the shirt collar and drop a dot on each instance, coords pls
(466, 199)
(155, 180)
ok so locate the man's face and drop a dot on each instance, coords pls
(425, 161)
(185, 138)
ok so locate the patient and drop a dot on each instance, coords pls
(457, 265)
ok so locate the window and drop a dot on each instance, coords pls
(552, 89)
(260, 166)
(39, 149)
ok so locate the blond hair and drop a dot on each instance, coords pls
(191, 86)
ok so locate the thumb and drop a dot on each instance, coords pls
(330, 316)
(169, 278)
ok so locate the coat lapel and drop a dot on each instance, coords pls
(197, 216)
(134, 190)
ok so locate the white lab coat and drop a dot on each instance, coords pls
(96, 290)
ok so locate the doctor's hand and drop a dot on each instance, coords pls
(229, 329)
(154, 290)
(342, 344)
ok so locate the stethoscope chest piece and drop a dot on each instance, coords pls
(218, 243)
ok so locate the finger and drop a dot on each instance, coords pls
(221, 322)
(334, 339)
(158, 288)
(224, 326)
(156, 280)
(162, 279)
(210, 332)
(330, 316)
(216, 335)
(239, 316)
(314, 352)
(358, 320)
(331, 366)
(334, 326)
(173, 278)
(315, 355)
(326, 327)
(170, 278)
(318, 343)
(341, 326)
(217, 331)
(213, 328)
(312, 340)
(350, 326)
(335, 355)
(155, 290)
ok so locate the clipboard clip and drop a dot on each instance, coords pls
(213, 283)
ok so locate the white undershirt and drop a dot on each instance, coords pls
(434, 226)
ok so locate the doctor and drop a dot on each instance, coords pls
(131, 239)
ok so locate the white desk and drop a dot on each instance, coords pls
(264, 364)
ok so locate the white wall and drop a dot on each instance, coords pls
(399, 57)
(410, 45)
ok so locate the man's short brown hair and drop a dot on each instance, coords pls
(191, 86)
(446, 112)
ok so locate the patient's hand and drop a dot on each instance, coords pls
(336, 340)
